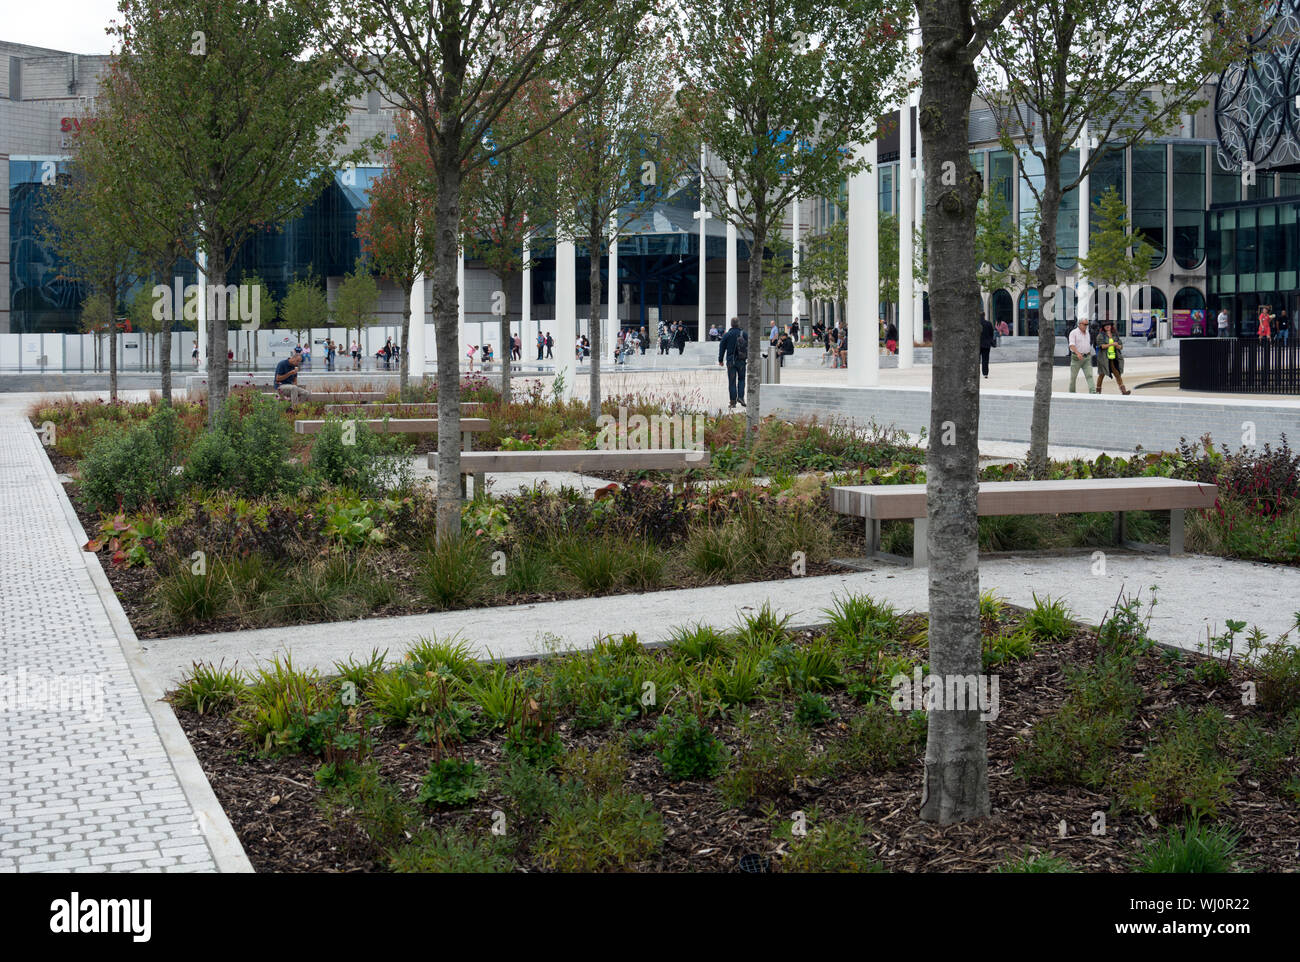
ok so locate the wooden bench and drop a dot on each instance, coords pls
(398, 425)
(379, 410)
(582, 461)
(894, 502)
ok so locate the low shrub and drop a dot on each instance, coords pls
(1049, 620)
(833, 845)
(128, 467)
(1188, 849)
(209, 688)
(1183, 772)
(767, 767)
(1030, 863)
(458, 850)
(688, 748)
(598, 833)
(879, 740)
(452, 782)
(455, 573)
(351, 455)
(246, 451)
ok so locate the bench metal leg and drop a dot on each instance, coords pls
(873, 537)
(1176, 531)
(466, 444)
(920, 531)
(1119, 528)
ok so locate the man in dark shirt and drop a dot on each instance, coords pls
(733, 351)
(286, 377)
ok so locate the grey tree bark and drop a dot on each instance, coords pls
(446, 251)
(757, 338)
(956, 753)
(218, 366)
(1045, 277)
(404, 366)
(507, 339)
(594, 227)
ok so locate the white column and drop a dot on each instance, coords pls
(202, 323)
(1085, 218)
(863, 306)
(906, 197)
(611, 326)
(414, 347)
(460, 294)
(733, 270)
(566, 312)
(526, 303)
(702, 215)
(918, 217)
(796, 299)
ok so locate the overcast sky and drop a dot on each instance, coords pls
(76, 26)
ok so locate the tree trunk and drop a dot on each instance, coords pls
(218, 335)
(404, 366)
(165, 331)
(112, 341)
(1045, 278)
(594, 228)
(757, 336)
(446, 251)
(507, 339)
(956, 751)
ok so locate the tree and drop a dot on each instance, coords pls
(239, 118)
(455, 67)
(614, 139)
(824, 269)
(393, 231)
(82, 224)
(779, 92)
(505, 200)
(953, 34)
(356, 300)
(1113, 71)
(1108, 260)
(305, 306)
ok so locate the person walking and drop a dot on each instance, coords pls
(1283, 327)
(356, 356)
(550, 345)
(987, 339)
(541, 345)
(1080, 344)
(1223, 322)
(681, 340)
(1110, 357)
(643, 340)
(1265, 329)
(733, 353)
(195, 354)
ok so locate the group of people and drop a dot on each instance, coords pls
(1271, 327)
(674, 335)
(1102, 349)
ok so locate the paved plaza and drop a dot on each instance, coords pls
(100, 778)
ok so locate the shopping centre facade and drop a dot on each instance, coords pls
(1221, 217)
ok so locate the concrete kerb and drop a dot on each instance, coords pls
(218, 833)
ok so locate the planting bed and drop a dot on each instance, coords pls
(576, 769)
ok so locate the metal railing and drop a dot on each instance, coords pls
(1239, 365)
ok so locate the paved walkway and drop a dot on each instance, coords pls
(1195, 593)
(99, 777)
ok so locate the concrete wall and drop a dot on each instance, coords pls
(1078, 420)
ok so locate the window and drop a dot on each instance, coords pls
(1067, 223)
(1189, 205)
(1189, 299)
(1002, 172)
(1227, 183)
(1149, 197)
(888, 177)
(1002, 310)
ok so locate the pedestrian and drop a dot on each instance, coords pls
(195, 354)
(733, 353)
(473, 348)
(1283, 327)
(987, 338)
(1110, 357)
(1265, 329)
(1223, 322)
(286, 377)
(356, 356)
(1004, 329)
(541, 345)
(891, 339)
(643, 340)
(681, 339)
(550, 344)
(1080, 344)
(794, 330)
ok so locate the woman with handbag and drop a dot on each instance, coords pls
(1110, 357)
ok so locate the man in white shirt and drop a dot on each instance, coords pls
(1081, 356)
(1223, 322)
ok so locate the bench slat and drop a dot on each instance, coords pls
(400, 425)
(887, 502)
(508, 462)
(421, 408)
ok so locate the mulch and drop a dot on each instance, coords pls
(274, 803)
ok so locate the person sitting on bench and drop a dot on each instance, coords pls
(286, 377)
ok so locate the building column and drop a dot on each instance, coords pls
(906, 198)
(414, 347)
(702, 215)
(863, 303)
(613, 323)
(733, 272)
(566, 313)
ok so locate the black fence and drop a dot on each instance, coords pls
(1239, 365)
